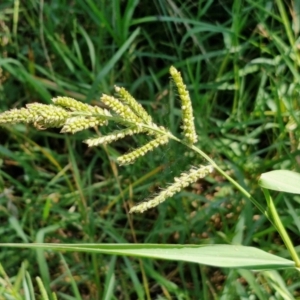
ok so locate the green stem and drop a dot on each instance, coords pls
(271, 213)
(280, 228)
(230, 179)
(287, 25)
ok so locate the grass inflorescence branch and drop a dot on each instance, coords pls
(178, 185)
(188, 124)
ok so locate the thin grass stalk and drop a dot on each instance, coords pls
(288, 30)
(280, 228)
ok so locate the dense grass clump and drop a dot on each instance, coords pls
(101, 71)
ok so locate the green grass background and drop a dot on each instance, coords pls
(240, 61)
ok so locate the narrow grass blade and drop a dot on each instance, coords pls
(225, 256)
(111, 63)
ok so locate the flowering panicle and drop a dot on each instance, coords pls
(179, 184)
(132, 156)
(73, 116)
(116, 135)
(188, 125)
(137, 108)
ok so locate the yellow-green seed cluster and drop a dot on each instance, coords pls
(179, 184)
(16, 116)
(88, 115)
(120, 109)
(188, 125)
(47, 115)
(76, 124)
(41, 115)
(137, 108)
(132, 156)
(74, 105)
(114, 136)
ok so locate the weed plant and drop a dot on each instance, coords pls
(240, 64)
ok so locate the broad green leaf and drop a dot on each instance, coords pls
(281, 180)
(227, 256)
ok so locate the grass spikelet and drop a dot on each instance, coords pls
(179, 184)
(132, 156)
(114, 136)
(188, 125)
(119, 108)
(137, 108)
